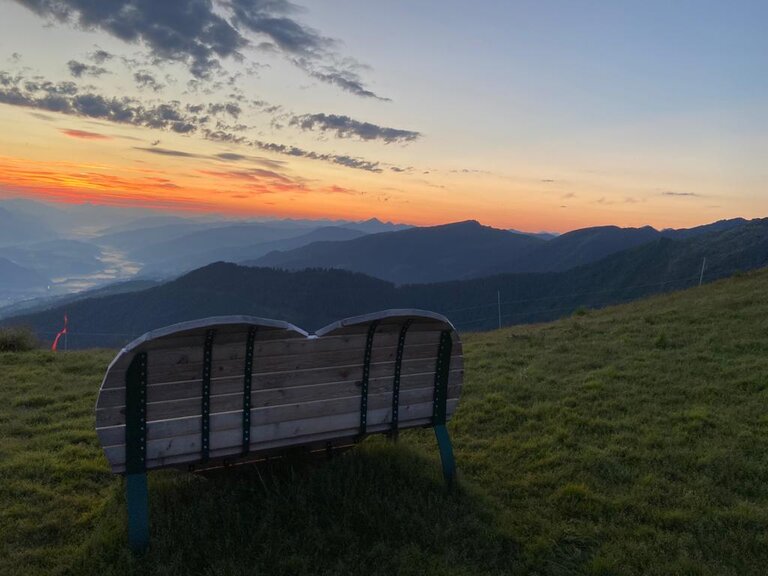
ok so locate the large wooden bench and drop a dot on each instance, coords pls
(237, 388)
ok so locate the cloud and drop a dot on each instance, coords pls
(144, 79)
(681, 194)
(346, 127)
(84, 135)
(100, 56)
(342, 160)
(167, 152)
(66, 98)
(80, 69)
(199, 33)
(231, 156)
(346, 79)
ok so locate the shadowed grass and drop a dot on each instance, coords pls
(632, 440)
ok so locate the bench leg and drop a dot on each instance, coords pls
(446, 453)
(137, 498)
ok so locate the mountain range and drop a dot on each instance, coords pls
(470, 250)
(313, 297)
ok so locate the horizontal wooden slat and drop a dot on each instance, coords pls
(173, 357)
(234, 454)
(262, 434)
(303, 354)
(115, 435)
(227, 394)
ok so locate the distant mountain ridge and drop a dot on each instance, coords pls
(313, 298)
(468, 249)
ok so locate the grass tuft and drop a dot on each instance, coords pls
(17, 339)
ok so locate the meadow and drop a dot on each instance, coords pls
(631, 440)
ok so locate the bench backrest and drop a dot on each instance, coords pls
(236, 386)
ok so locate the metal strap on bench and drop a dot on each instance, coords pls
(247, 378)
(136, 415)
(366, 378)
(442, 371)
(136, 451)
(205, 428)
(396, 381)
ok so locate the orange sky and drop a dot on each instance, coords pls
(423, 136)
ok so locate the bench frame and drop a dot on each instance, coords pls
(136, 488)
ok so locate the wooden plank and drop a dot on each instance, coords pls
(262, 435)
(413, 363)
(228, 360)
(223, 400)
(282, 347)
(234, 454)
(115, 435)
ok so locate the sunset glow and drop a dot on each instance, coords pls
(358, 128)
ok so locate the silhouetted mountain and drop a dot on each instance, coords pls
(242, 253)
(185, 250)
(719, 226)
(574, 249)
(15, 278)
(312, 298)
(469, 250)
(433, 254)
(229, 253)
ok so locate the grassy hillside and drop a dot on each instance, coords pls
(633, 440)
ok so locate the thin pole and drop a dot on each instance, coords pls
(498, 301)
(703, 265)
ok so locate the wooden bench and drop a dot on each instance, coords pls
(237, 388)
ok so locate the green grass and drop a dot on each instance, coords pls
(632, 440)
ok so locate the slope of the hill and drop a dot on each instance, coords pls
(313, 298)
(631, 440)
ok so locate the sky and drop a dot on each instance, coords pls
(533, 115)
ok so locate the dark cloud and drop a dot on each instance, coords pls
(144, 79)
(100, 56)
(231, 157)
(66, 98)
(199, 33)
(348, 161)
(346, 127)
(681, 194)
(167, 152)
(80, 69)
(186, 31)
(231, 108)
(346, 79)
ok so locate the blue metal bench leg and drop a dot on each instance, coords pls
(137, 497)
(446, 453)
